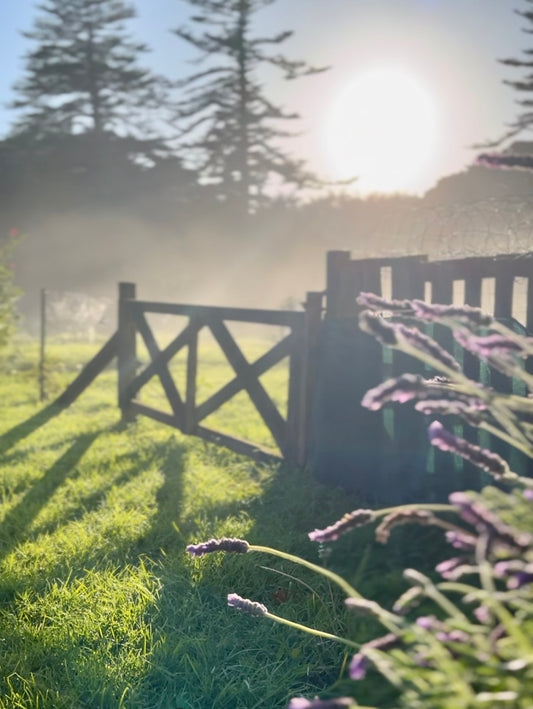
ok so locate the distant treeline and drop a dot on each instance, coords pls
(112, 172)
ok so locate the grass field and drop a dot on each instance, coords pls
(100, 606)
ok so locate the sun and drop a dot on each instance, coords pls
(382, 128)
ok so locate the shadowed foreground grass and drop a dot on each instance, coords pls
(100, 606)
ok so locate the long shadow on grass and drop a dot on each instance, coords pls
(26, 428)
(162, 533)
(18, 520)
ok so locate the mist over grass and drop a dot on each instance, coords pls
(267, 260)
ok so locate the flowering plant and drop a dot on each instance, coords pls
(473, 644)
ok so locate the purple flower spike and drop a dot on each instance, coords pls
(426, 344)
(245, 605)
(379, 328)
(360, 663)
(519, 580)
(376, 302)
(461, 540)
(359, 666)
(412, 516)
(400, 389)
(486, 521)
(471, 411)
(339, 703)
(428, 622)
(238, 546)
(434, 312)
(349, 521)
(487, 460)
(451, 569)
(483, 614)
(489, 345)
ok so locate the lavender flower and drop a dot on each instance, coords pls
(376, 302)
(487, 346)
(401, 389)
(486, 521)
(359, 666)
(351, 520)
(360, 662)
(412, 516)
(505, 161)
(379, 328)
(517, 573)
(487, 460)
(483, 614)
(462, 540)
(394, 334)
(471, 412)
(339, 703)
(452, 636)
(238, 546)
(452, 568)
(434, 312)
(245, 605)
(426, 344)
(429, 622)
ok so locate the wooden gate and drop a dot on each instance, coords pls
(187, 415)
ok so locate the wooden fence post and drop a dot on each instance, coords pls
(339, 288)
(126, 348)
(302, 379)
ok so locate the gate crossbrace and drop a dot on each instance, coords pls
(260, 366)
(164, 356)
(164, 375)
(264, 404)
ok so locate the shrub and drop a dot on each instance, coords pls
(462, 637)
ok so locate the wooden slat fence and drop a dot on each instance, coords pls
(502, 285)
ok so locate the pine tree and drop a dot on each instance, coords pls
(230, 124)
(83, 74)
(523, 86)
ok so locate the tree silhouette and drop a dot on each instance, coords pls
(83, 76)
(524, 86)
(228, 122)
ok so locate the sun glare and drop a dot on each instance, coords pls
(382, 128)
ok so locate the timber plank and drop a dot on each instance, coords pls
(238, 445)
(264, 363)
(163, 373)
(170, 419)
(182, 340)
(263, 403)
(190, 386)
(91, 370)
(286, 318)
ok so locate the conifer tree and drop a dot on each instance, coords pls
(82, 74)
(524, 86)
(229, 123)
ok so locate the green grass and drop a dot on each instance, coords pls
(100, 606)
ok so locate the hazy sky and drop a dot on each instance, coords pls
(431, 63)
